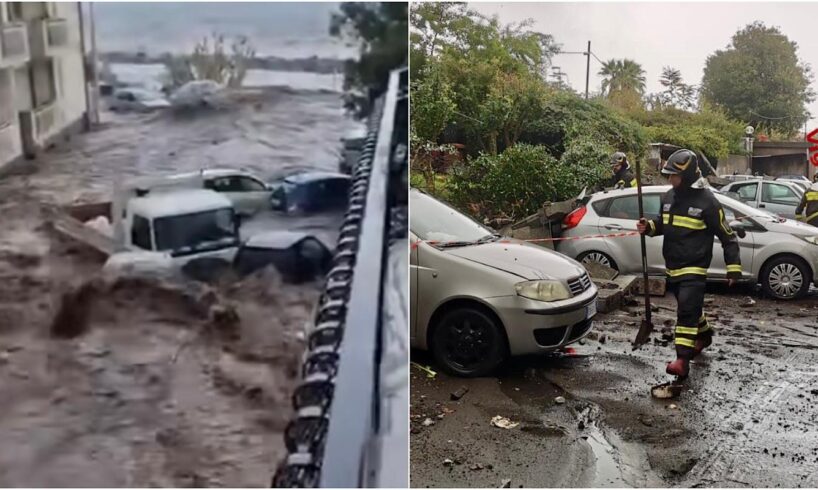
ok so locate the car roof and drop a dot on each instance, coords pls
(178, 202)
(280, 239)
(306, 177)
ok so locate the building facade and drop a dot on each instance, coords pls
(43, 90)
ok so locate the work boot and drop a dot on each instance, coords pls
(680, 367)
(702, 342)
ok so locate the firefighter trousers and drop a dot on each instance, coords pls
(691, 322)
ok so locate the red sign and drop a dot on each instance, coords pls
(813, 150)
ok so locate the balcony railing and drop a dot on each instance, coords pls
(13, 44)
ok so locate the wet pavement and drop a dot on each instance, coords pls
(746, 418)
(166, 385)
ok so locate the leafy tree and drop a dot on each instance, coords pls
(758, 79)
(677, 93)
(211, 61)
(380, 28)
(622, 76)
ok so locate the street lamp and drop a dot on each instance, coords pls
(748, 146)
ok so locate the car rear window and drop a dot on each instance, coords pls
(627, 207)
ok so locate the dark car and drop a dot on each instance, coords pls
(298, 256)
(312, 192)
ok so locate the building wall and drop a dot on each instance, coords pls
(58, 81)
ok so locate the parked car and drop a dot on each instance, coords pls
(777, 197)
(802, 183)
(247, 192)
(794, 177)
(311, 192)
(476, 297)
(780, 254)
(739, 177)
(298, 256)
(137, 100)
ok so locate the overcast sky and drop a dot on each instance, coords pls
(680, 35)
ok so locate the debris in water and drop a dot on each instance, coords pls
(672, 406)
(75, 306)
(428, 422)
(447, 462)
(503, 423)
(505, 483)
(476, 467)
(559, 400)
(459, 393)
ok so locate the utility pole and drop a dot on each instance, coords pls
(587, 69)
(95, 65)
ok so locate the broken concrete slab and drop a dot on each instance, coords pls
(599, 271)
(609, 300)
(656, 286)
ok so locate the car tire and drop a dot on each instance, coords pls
(786, 277)
(597, 257)
(468, 342)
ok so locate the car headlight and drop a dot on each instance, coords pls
(542, 290)
(812, 239)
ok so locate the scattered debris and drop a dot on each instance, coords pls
(459, 393)
(672, 406)
(503, 423)
(426, 369)
(666, 391)
(600, 271)
(505, 483)
(748, 302)
(447, 462)
(428, 422)
(476, 467)
(559, 400)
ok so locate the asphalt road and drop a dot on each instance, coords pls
(747, 418)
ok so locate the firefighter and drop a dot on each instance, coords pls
(809, 204)
(690, 217)
(622, 175)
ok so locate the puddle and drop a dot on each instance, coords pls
(608, 473)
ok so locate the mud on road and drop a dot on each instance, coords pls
(165, 384)
(747, 418)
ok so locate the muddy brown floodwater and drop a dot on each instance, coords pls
(166, 384)
(746, 419)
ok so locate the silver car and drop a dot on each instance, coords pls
(779, 253)
(776, 196)
(477, 297)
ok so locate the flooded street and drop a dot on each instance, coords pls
(165, 384)
(587, 419)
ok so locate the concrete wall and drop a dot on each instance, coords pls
(69, 69)
(731, 164)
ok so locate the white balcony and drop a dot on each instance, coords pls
(38, 125)
(49, 37)
(13, 45)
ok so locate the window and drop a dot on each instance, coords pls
(628, 207)
(746, 192)
(15, 11)
(248, 184)
(780, 194)
(141, 233)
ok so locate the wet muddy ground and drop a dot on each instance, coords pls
(166, 384)
(747, 418)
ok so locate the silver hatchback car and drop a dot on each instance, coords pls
(775, 196)
(477, 297)
(779, 253)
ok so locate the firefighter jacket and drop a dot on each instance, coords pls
(623, 179)
(809, 205)
(689, 220)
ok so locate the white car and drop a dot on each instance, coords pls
(779, 253)
(138, 100)
(775, 196)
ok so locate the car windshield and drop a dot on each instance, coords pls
(430, 219)
(189, 233)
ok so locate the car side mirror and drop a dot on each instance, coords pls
(739, 227)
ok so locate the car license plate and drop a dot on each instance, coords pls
(590, 310)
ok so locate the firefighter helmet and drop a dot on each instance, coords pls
(684, 163)
(619, 158)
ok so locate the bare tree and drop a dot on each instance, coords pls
(211, 61)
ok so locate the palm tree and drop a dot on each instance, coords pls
(621, 76)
